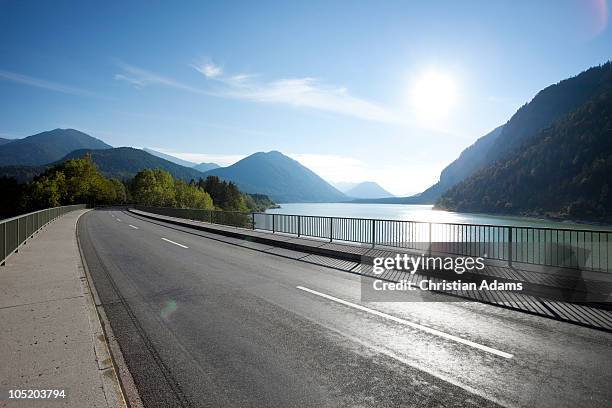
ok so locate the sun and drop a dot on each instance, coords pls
(433, 95)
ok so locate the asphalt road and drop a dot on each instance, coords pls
(207, 323)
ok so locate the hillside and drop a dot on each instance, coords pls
(204, 167)
(368, 189)
(169, 158)
(125, 162)
(563, 171)
(47, 147)
(4, 141)
(280, 177)
(549, 105)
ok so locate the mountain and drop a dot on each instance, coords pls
(280, 177)
(47, 147)
(344, 186)
(4, 141)
(368, 189)
(470, 160)
(549, 105)
(204, 167)
(170, 158)
(125, 162)
(562, 171)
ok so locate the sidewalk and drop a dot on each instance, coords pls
(536, 299)
(50, 335)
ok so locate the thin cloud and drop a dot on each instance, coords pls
(303, 92)
(208, 68)
(141, 78)
(44, 84)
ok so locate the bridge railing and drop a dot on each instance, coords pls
(587, 249)
(17, 230)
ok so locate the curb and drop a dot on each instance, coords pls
(119, 387)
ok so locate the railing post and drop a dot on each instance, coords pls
(373, 233)
(253, 218)
(331, 229)
(299, 225)
(4, 251)
(273, 226)
(430, 240)
(17, 240)
(509, 246)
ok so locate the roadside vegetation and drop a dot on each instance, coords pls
(78, 181)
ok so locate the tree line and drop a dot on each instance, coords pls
(78, 181)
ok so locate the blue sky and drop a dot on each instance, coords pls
(357, 90)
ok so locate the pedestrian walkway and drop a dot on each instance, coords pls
(50, 337)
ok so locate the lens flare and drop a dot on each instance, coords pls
(168, 310)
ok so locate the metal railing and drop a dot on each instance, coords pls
(231, 218)
(17, 230)
(587, 249)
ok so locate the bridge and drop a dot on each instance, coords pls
(164, 307)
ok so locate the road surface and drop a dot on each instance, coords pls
(203, 322)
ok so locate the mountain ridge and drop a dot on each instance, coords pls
(281, 178)
(47, 147)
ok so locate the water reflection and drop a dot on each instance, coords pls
(424, 213)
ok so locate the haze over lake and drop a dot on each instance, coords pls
(415, 213)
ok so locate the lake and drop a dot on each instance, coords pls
(418, 213)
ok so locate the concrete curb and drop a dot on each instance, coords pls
(119, 386)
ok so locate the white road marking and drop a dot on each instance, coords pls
(411, 324)
(118, 219)
(175, 243)
(133, 226)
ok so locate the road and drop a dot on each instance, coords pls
(207, 323)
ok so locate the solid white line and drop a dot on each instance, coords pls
(411, 324)
(175, 243)
(133, 226)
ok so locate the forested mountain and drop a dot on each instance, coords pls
(4, 141)
(204, 167)
(549, 105)
(470, 160)
(368, 189)
(280, 177)
(125, 162)
(169, 157)
(564, 170)
(47, 147)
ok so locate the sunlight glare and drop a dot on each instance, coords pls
(433, 95)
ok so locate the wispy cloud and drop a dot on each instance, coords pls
(140, 78)
(44, 84)
(304, 92)
(208, 68)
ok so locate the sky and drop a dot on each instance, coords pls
(385, 91)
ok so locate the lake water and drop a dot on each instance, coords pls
(417, 213)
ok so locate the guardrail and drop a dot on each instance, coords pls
(17, 230)
(587, 249)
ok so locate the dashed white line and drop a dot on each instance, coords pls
(411, 324)
(133, 226)
(119, 219)
(175, 243)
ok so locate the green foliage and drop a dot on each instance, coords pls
(73, 182)
(258, 202)
(563, 171)
(225, 195)
(157, 188)
(192, 196)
